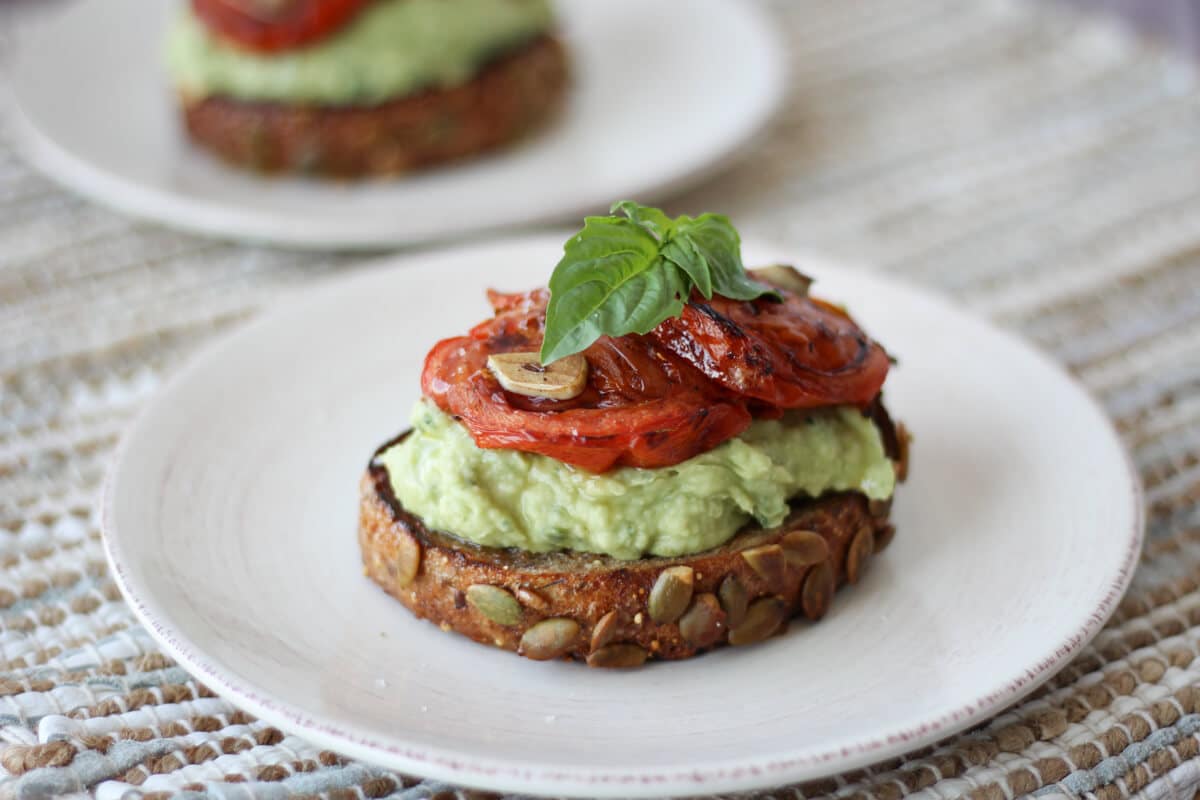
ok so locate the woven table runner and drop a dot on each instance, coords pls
(1042, 167)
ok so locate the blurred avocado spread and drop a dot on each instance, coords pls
(393, 48)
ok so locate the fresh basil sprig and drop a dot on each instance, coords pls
(627, 274)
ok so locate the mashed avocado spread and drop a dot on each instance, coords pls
(393, 48)
(505, 498)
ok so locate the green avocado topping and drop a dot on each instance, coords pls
(505, 498)
(393, 48)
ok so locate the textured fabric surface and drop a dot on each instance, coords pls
(1040, 167)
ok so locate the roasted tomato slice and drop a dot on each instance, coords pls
(642, 407)
(271, 25)
(799, 353)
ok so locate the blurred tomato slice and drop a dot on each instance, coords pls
(273, 25)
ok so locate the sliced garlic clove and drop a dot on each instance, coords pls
(783, 276)
(524, 373)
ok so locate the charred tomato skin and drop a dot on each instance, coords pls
(642, 405)
(656, 400)
(798, 353)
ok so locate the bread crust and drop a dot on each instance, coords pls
(609, 612)
(509, 96)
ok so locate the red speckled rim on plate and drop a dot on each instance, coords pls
(744, 774)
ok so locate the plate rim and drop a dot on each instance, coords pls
(741, 774)
(186, 213)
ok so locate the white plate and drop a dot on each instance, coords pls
(648, 113)
(230, 522)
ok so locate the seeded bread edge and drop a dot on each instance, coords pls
(507, 98)
(613, 613)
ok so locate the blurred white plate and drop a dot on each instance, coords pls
(230, 523)
(660, 98)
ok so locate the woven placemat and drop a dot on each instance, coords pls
(1041, 167)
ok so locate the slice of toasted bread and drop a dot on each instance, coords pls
(509, 96)
(614, 613)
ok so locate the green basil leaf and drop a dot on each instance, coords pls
(681, 252)
(622, 275)
(611, 281)
(717, 242)
(652, 219)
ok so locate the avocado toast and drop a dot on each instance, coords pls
(354, 88)
(663, 454)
